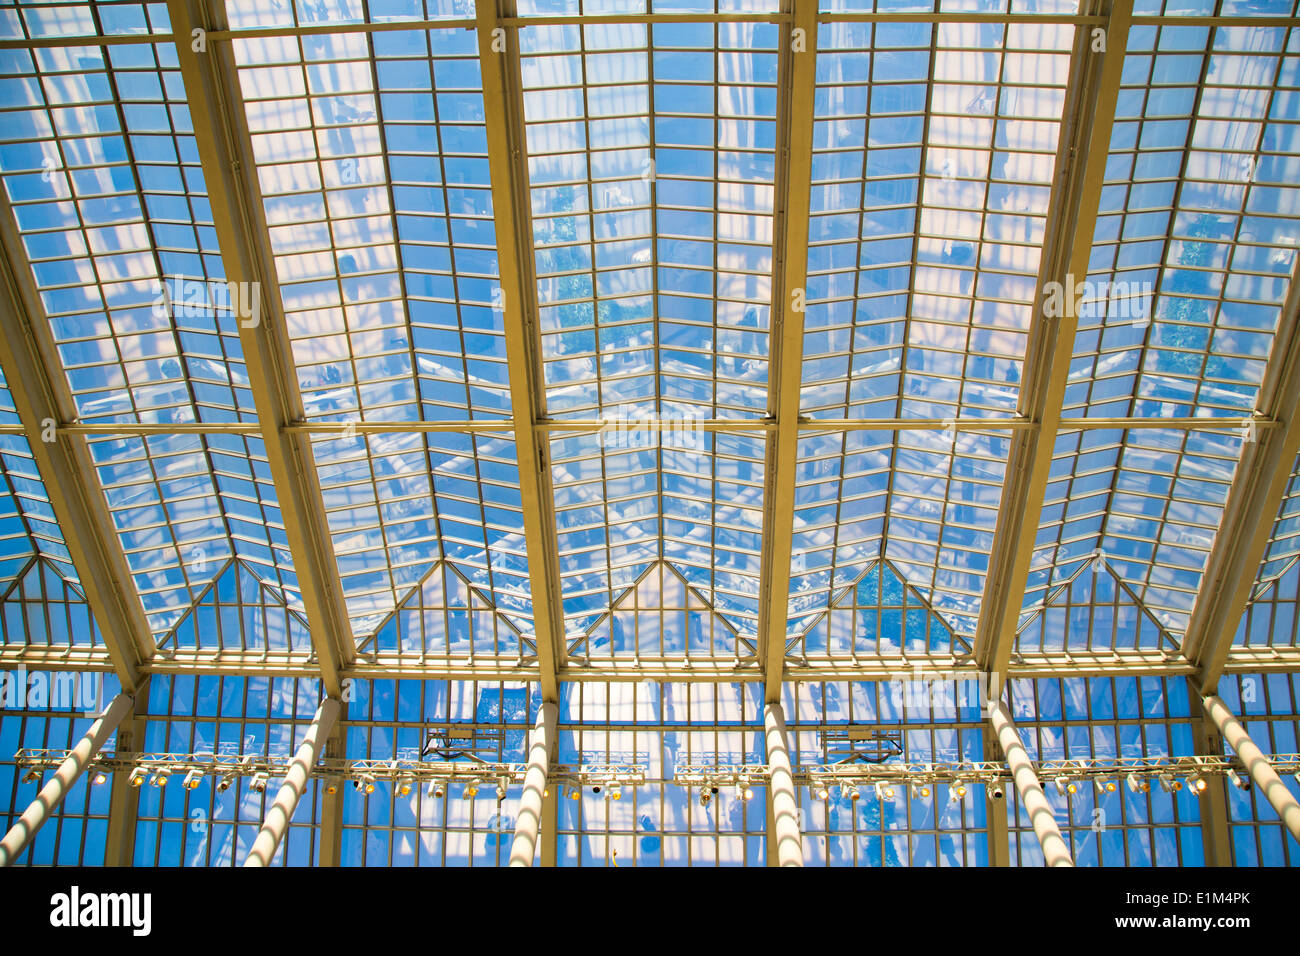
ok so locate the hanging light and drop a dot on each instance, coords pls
(138, 776)
(1197, 783)
(405, 783)
(1170, 784)
(923, 790)
(100, 778)
(706, 794)
(1065, 786)
(1138, 783)
(575, 793)
(501, 790)
(471, 790)
(1105, 785)
(885, 791)
(1237, 780)
(259, 782)
(31, 776)
(614, 791)
(436, 789)
(160, 778)
(823, 791)
(192, 779)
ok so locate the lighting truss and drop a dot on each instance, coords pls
(332, 768)
(849, 775)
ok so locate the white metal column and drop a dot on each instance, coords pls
(1262, 774)
(530, 804)
(784, 828)
(52, 794)
(295, 781)
(1055, 850)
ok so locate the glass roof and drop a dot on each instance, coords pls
(641, 388)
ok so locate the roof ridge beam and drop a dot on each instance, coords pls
(1081, 157)
(42, 398)
(508, 169)
(226, 154)
(1254, 499)
(793, 194)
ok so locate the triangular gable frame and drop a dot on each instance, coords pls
(846, 592)
(691, 590)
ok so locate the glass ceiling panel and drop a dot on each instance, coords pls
(651, 160)
(1284, 544)
(28, 526)
(1151, 500)
(934, 149)
(1198, 217)
(1192, 258)
(925, 500)
(397, 502)
(101, 169)
(372, 161)
(571, 8)
(626, 499)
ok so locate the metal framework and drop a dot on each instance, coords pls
(59, 442)
(790, 271)
(27, 355)
(221, 133)
(1067, 246)
(1253, 502)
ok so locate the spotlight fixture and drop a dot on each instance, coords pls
(885, 791)
(225, 783)
(365, 783)
(744, 792)
(614, 791)
(851, 791)
(956, 792)
(332, 784)
(705, 796)
(575, 793)
(405, 783)
(501, 791)
(1105, 786)
(436, 789)
(923, 790)
(1065, 786)
(1138, 784)
(31, 776)
(259, 782)
(1238, 781)
(160, 778)
(1170, 784)
(138, 776)
(1197, 784)
(471, 790)
(192, 779)
(996, 791)
(100, 778)
(823, 791)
